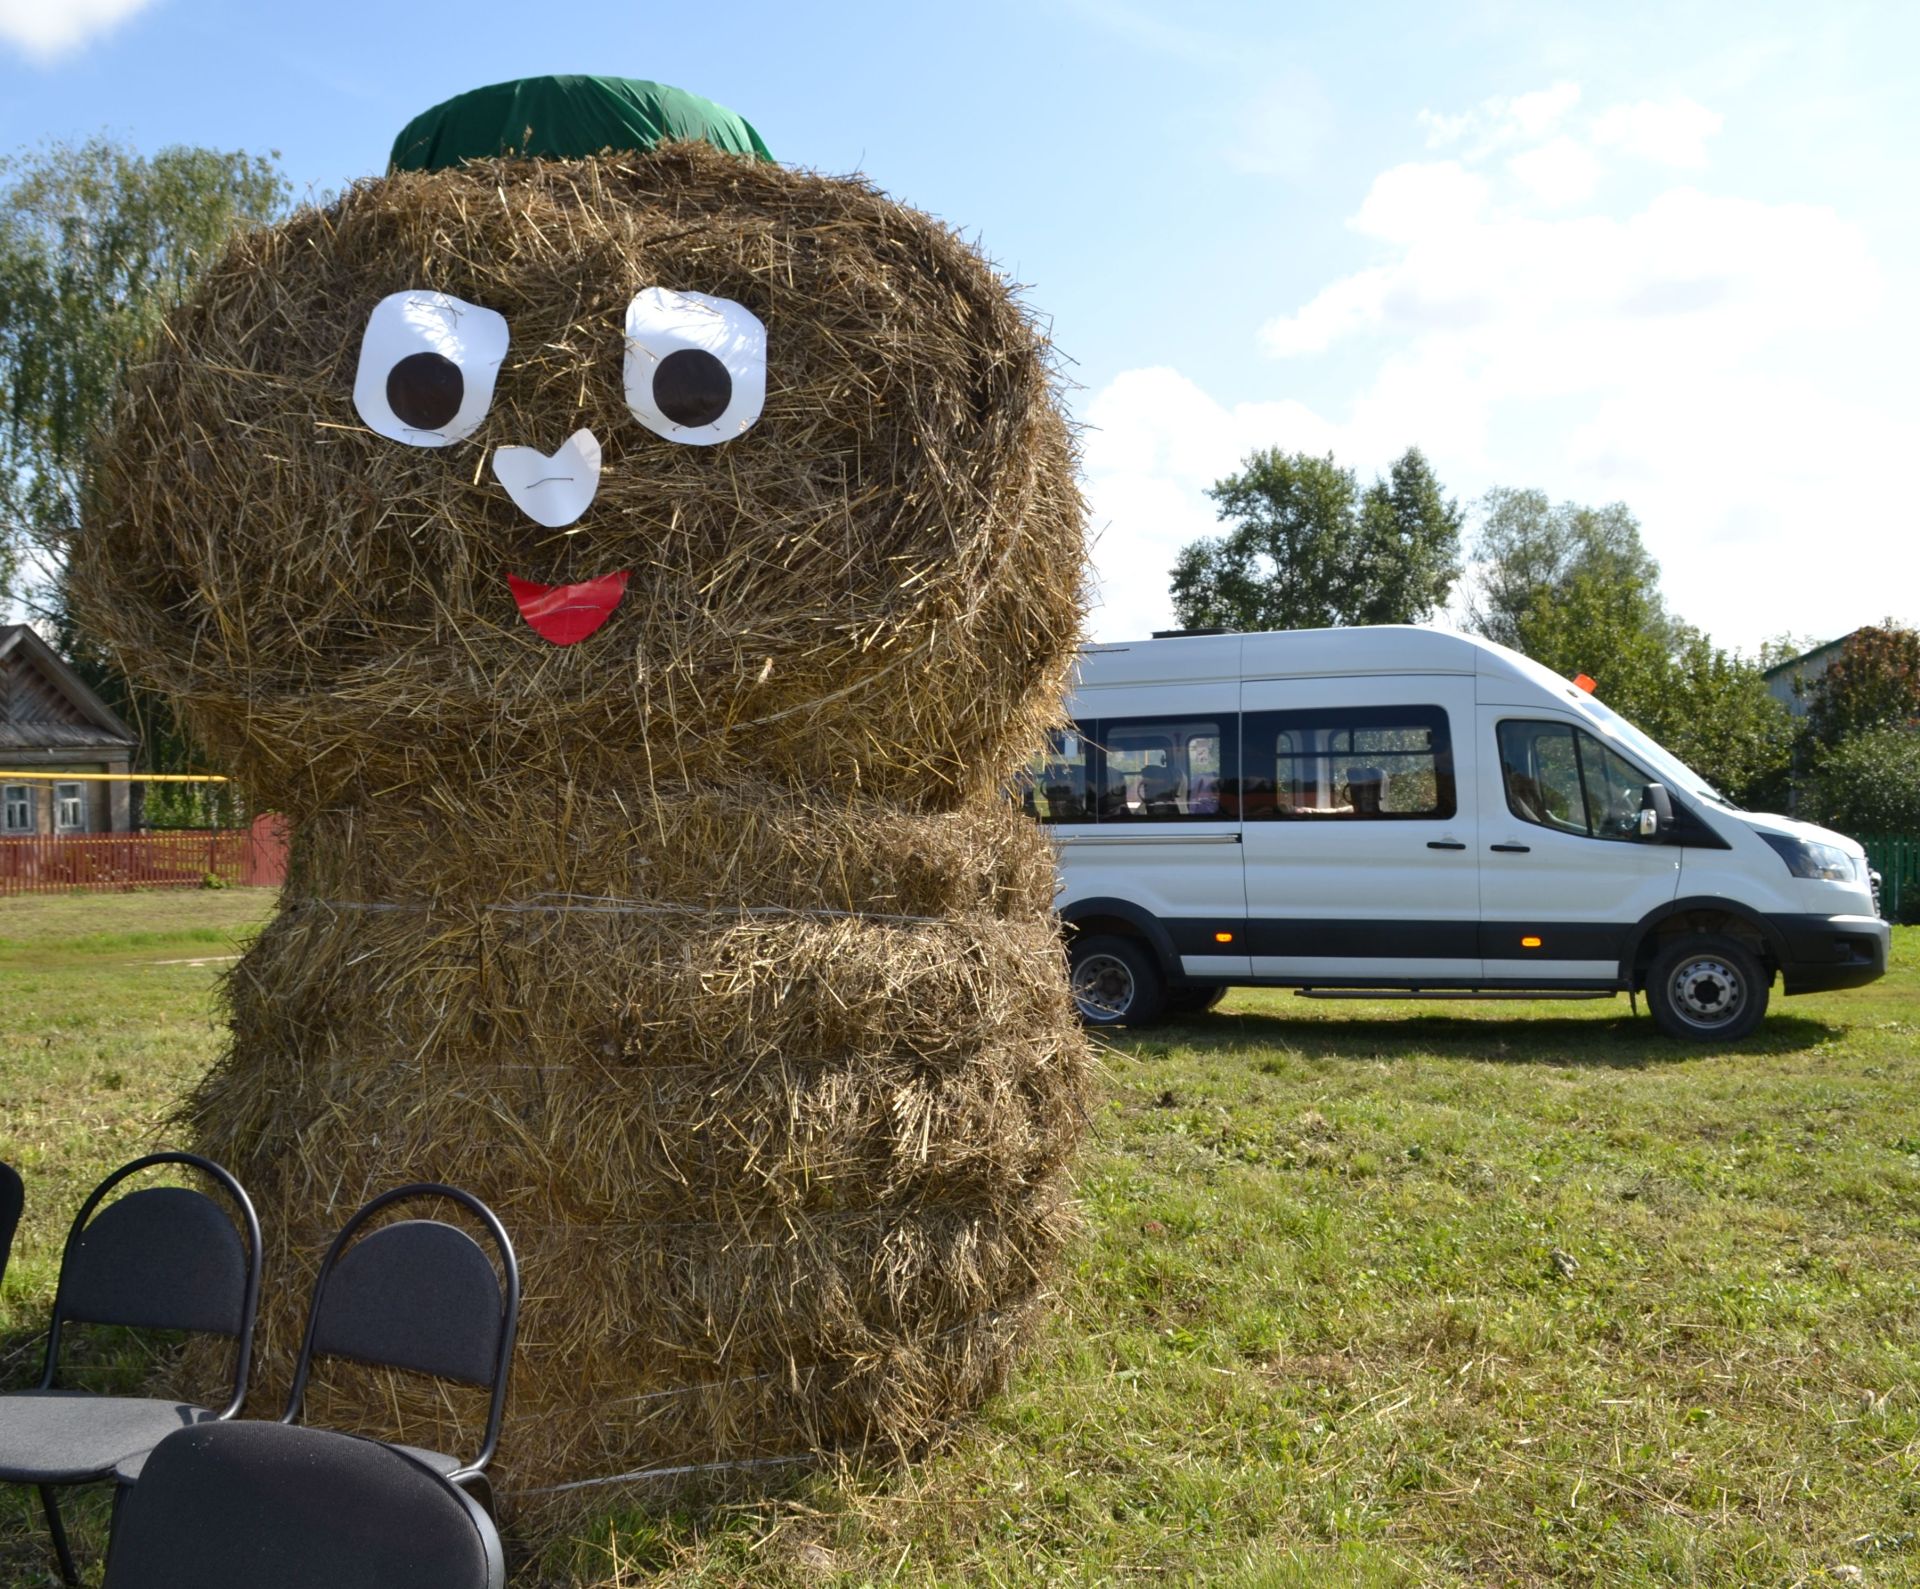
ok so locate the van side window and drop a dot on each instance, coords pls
(1363, 763)
(1164, 769)
(1052, 787)
(1561, 777)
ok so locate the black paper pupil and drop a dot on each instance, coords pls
(424, 390)
(692, 387)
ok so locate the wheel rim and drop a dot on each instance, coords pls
(1103, 987)
(1706, 991)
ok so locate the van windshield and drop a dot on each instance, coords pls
(1655, 755)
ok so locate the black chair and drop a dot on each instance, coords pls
(13, 1198)
(247, 1505)
(161, 1258)
(419, 1295)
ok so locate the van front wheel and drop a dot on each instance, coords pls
(1114, 981)
(1707, 988)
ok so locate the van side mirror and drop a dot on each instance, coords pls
(1656, 811)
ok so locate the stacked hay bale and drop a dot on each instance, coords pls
(705, 949)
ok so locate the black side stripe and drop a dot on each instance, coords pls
(1398, 939)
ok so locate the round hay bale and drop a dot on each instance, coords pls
(876, 588)
(703, 949)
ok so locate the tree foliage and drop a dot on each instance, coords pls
(1718, 716)
(1576, 589)
(1309, 549)
(1873, 683)
(96, 242)
(1870, 784)
(1528, 548)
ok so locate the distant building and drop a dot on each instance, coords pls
(1790, 681)
(50, 722)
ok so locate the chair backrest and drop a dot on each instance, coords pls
(419, 1295)
(239, 1505)
(13, 1198)
(162, 1258)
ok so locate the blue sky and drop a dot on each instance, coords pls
(1666, 254)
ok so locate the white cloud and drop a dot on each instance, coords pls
(1349, 305)
(1155, 442)
(1501, 120)
(1680, 352)
(1421, 200)
(1673, 133)
(1560, 172)
(1767, 499)
(45, 30)
(1582, 303)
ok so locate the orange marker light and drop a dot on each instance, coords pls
(1582, 682)
(1529, 943)
(1223, 937)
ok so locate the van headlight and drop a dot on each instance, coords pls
(1827, 862)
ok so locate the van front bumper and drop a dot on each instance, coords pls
(1820, 953)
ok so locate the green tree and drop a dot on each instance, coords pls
(1528, 547)
(1607, 625)
(1718, 715)
(1575, 589)
(96, 243)
(1870, 784)
(1310, 550)
(1873, 683)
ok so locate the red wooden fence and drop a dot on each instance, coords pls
(62, 864)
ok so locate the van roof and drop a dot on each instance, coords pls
(1303, 653)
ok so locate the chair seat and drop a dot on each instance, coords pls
(71, 1436)
(242, 1505)
(127, 1469)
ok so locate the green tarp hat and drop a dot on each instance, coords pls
(566, 118)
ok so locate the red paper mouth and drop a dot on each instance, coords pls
(567, 614)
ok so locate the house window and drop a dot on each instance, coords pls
(16, 808)
(70, 807)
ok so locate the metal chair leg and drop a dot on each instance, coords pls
(58, 1530)
(480, 1488)
(113, 1517)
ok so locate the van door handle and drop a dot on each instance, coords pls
(1445, 844)
(1511, 849)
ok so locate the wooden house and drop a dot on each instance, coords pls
(51, 723)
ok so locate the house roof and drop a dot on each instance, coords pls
(90, 724)
(1794, 664)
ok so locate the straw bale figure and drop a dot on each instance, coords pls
(641, 736)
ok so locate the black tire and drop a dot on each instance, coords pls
(1193, 1001)
(1707, 989)
(1115, 981)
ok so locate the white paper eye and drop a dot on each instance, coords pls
(427, 367)
(696, 366)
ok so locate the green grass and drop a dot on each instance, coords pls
(1370, 1294)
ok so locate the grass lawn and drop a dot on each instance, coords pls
(1370, 1294)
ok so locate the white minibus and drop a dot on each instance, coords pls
(1396, 811)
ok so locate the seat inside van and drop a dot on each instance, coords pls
(1365, 786)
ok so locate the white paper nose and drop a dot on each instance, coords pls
(555, 488)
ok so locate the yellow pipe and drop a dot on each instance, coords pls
(120, 777)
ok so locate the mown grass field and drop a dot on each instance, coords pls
(1370, 1294)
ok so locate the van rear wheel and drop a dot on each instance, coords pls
(1707, 988)
(1115, 981)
